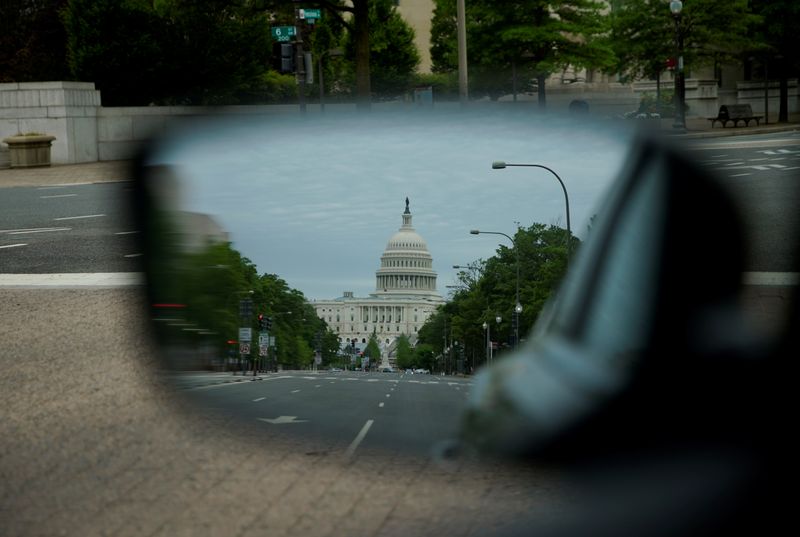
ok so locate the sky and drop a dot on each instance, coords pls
(316, 199)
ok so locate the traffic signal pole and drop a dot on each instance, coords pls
(300, 63)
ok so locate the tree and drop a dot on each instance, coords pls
(489, 291)
(405, 357)
(778, 31)
(393, 56)
(373, 350)
(534, 38)
(32, 41)
(167, 52)
(643, 34)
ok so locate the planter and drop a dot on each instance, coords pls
(31, 150)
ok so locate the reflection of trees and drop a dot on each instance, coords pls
(488, 289)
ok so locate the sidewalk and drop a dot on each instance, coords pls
(700, 127)
(67, 174)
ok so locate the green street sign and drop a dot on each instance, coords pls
(283, 33)
(310, 13)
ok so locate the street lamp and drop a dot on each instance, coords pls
(500, 165)
(518, 304)
(675, 7)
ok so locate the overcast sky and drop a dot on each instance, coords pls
(315, 200)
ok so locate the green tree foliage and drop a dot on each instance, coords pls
(778, 34)
(373, 351)
(393, 57)
(171, 51)
(532, 38)
(405, 356)
(644, 33)
(489, 290)
(32, 41)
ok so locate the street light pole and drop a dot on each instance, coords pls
(500, 165)
(518, 304)
(675, 7)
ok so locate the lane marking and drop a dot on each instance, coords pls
(125, 232)
(388, 395)
(57, 196)
(740, 174)
(42, 230)
(361, 434)
(318, 385)
(77, 279)
(380, 405)
(259, 399)
(79, 217)
(295, 391)
(133, 255)
(13, 245)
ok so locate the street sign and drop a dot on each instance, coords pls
(283, 33)
(318, 358)
(263, 340)
(271, 341)
(262, 351)
(244, 348)
(310, 14)
(245, 335)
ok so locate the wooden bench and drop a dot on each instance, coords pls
(735, 113)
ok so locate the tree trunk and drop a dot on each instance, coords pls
(540, 91)
(361, 27)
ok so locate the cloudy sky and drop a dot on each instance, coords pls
(316, 199)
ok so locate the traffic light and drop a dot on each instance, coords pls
(287, 58)
(268, 323)
(262, 322)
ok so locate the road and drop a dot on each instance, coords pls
(81, 228)
(762, 172)
(400, 413)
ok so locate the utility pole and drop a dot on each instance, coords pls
(300, 59)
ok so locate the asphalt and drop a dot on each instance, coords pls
(95, 441)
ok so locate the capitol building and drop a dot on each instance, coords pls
(405, 296)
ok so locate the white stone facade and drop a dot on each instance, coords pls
(405, 294)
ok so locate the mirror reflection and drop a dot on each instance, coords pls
(359, 270)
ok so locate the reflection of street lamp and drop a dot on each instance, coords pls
(675, 7)
(332, 52)
(518, 304)
(500, 165)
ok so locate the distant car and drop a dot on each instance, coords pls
(387, 370)
(335, 369)
(421, 371)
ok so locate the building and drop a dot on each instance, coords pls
(405, 295)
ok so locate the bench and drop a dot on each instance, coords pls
(735, 113)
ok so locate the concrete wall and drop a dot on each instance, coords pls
(753, 93)
(67, 110)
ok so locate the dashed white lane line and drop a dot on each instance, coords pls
(388, 395)
(358, 439)
(57, 196)
(13, 245)
(259, 399)
(125, 232)
(295, 391)
(380, 405)
(740, 174)
(318, 385)
(79, 217)
(42, 230)
(133, 255)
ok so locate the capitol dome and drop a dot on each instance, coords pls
(406, 264)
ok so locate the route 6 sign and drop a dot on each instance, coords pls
(283, 33)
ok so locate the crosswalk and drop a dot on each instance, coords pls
(778, 159)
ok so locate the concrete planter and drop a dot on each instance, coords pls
(28, 151)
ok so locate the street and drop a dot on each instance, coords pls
(401, 413)
(762, 172)
(81, 228)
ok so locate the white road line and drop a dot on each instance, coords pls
(792, 168)
(259, 399)
(133, 255)
(125, 232)
(380, 405)
(43, 230)
(79, 217)
(13, 245)
(388, 395)
(295, 391)
(57, 196)
(97, 279)
(361, 434)
(740, 174)
(318, 385)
